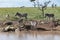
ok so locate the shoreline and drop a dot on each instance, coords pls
(36, 32)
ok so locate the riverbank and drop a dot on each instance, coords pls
(35, 32)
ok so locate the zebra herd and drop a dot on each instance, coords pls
(25, 15)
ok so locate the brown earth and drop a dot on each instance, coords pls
(46, 25)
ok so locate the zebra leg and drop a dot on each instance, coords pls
(26, 17)
(49, 18)
(52, 18)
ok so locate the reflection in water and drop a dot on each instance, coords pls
(28, 36)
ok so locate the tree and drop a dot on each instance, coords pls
(53, 5)
(33, 2)
(43, 7)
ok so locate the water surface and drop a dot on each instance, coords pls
(28, 36)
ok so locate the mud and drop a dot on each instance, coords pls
(32, 25)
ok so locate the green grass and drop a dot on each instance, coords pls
(33, 13)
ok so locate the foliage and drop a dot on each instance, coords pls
(32, 0)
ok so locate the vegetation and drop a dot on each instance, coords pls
(33, 13)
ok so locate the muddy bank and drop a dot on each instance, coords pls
(27, 25)
(35, 32)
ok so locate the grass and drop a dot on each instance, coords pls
(33, 13)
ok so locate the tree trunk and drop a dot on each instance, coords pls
(43, 12)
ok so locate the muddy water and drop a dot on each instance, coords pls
(28, 36)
